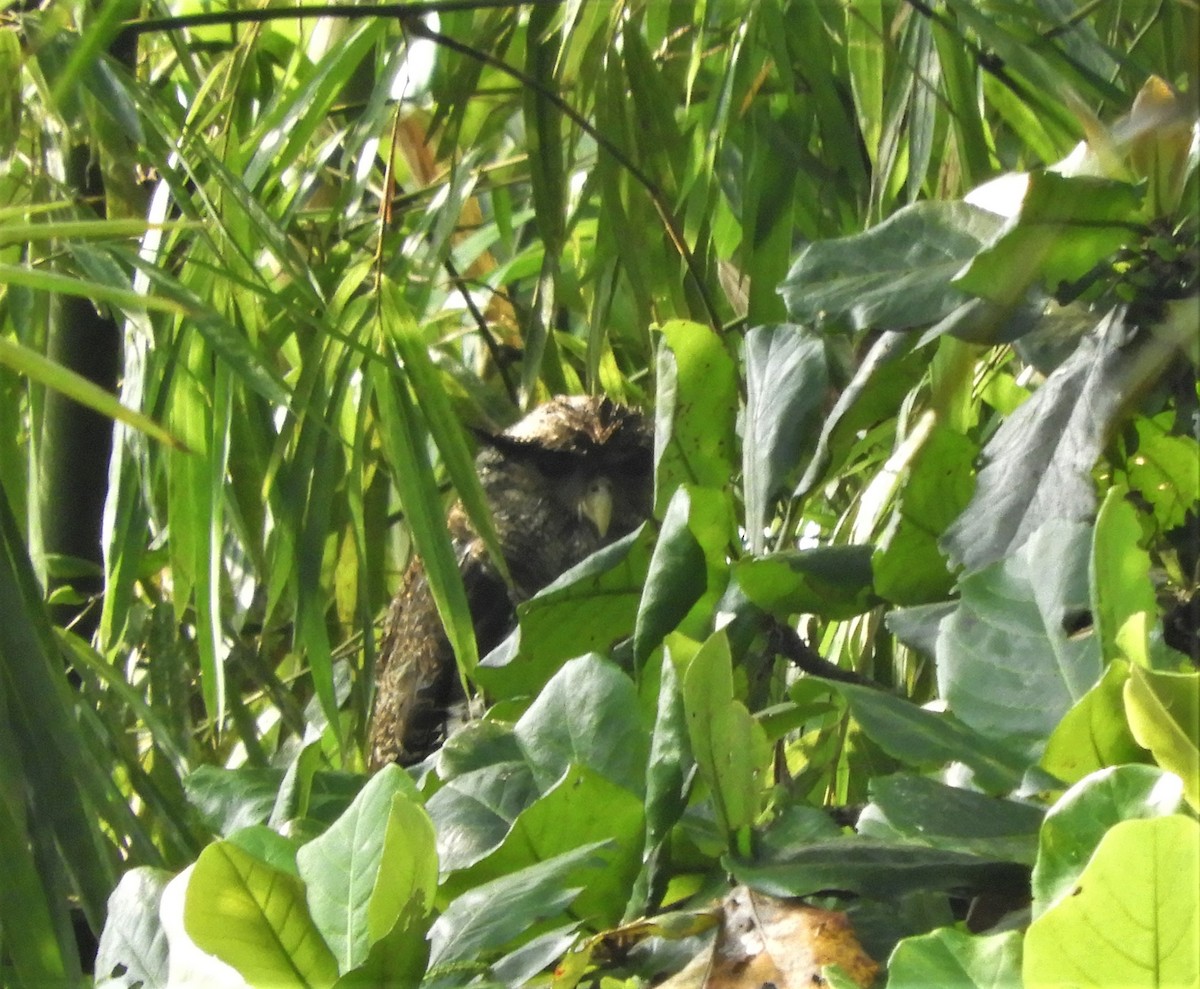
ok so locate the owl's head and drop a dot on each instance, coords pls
(574, 474)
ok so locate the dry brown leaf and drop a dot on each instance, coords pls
(764, 941)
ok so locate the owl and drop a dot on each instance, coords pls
(575, 474)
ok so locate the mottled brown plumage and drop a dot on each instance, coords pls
(572, 476)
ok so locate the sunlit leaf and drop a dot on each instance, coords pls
(1131, 919)
(1164, 716)
(277, 942)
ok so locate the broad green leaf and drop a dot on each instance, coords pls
(670, 756)
(232, 799)
(923, 811)
(1038, 464)
(730, 747)
(399, 958)
(927, 739)
(479, 744)
(695, 410)
(786, 378)
(268, 847)
(833, 581)
(1164, 716)
(896, 276)
(134, 942)
(1120, 576)
(1075, 825)
(590, 607)
(1065, 227)
(1008, 665)
(473, 812)
(529, 962)
(1133, 916)
(1094, 733)
(1160, 471)
(688, 569)
(953, 959)
(676, 578)
(577, 718)
(374, 864)
(255, 918)
(490, 916)
(877, 869)
(295, 790)
(564, 819)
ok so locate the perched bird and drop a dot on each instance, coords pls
(575, 474)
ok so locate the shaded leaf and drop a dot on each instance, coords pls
(834, 581)
(786, 379)
(1008, 664)
(689, 567)
(896, 276)
(1121, 586)
(577, 720)
(566, 818)
(494, 914)
(1083, 815)
(729, 746)
(1039, 463)
(473, 812)
(590, 607)
(876, 869)
(890, 369)
(924, 811)
(928, 739)
(908, 566)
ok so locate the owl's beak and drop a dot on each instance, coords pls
(596, 505)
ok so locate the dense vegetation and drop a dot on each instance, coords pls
(913, 634)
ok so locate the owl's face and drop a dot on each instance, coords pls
(572, 476)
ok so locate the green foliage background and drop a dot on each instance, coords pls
(956, 452)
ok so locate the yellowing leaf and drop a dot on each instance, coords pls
(1164, 714)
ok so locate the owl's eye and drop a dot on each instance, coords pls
(596, 504)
